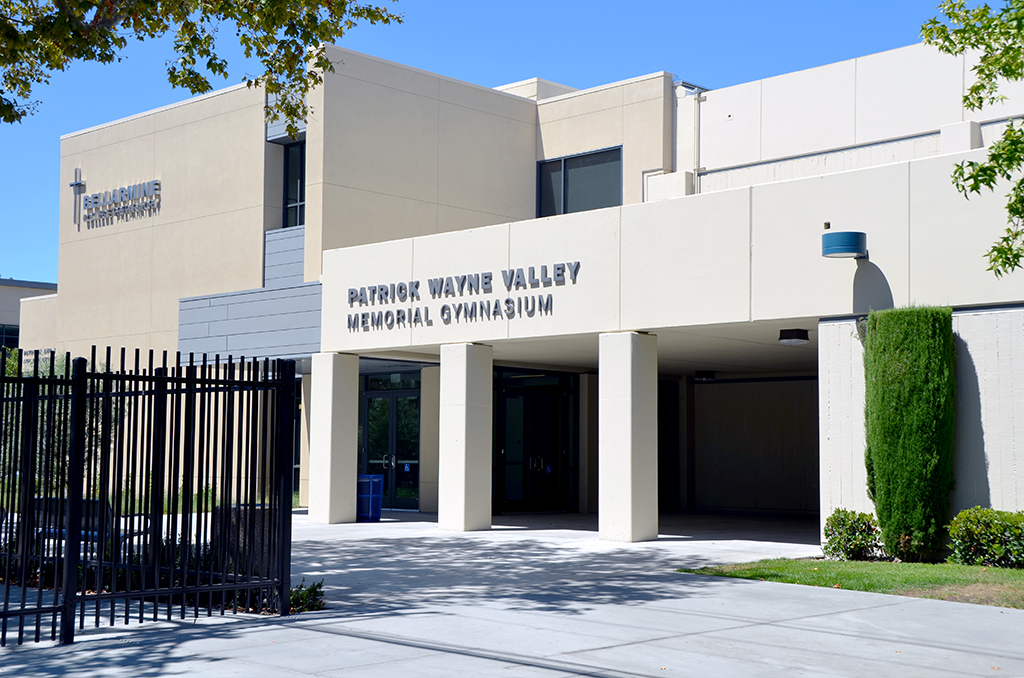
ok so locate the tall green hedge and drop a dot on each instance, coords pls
(909, 366)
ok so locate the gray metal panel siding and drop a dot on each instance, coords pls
(266, 341)
(291, 238)
(281, 258)
(194, 302)
(261, 294)
(273, 323)
(201, 314)
(302, 300)
(284, 257)
(277, 132)
(285, 275)
(212, 346)
(266, 323)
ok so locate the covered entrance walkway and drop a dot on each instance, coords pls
(694, 533)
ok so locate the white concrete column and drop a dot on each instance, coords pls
(627, 437)
(464, 432)
(430, 394)
(587, 458)
(303, 488)
(843, 479)
(333, 438)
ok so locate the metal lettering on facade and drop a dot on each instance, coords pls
(400, 305)
(118, 204)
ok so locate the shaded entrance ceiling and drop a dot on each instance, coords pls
(749, 348)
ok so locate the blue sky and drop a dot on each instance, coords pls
(581, 43)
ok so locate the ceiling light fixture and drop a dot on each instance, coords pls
(793, 337)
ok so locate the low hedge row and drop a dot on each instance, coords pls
(978, 536)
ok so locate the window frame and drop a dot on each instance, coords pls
(562, 160)
(9, 332)
(301, 204)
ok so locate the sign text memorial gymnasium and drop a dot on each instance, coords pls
(414, 312)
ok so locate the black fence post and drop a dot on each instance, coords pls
(73, 515)
(156, 519)
(26, 484)
(285, 462)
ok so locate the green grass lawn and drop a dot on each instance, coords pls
(964, 583)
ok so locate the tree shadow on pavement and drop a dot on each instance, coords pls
(512, 568)
(380, 576)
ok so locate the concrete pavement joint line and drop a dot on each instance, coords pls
(507, 658)
(644, 641)
(868, 659)
(963, 649)
(740, 623)
(746, 621)
(784, 624)
(363, 665)
(212, 658)
(791, 623)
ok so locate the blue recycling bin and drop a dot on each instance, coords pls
(369, 497)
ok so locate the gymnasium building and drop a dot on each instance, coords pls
(534, 298)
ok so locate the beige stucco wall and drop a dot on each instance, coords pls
(636, 114)
(38, 322)
(120, 283)
(11, 294)
(395, 152)
(873, 110)
(988, 460)
(536, 89)
(908, 91)
(988, 457)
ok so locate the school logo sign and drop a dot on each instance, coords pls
(123, 203)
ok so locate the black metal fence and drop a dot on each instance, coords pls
(142, 492)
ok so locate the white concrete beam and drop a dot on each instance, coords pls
(464, 432)
(333, 438)
(628, 437)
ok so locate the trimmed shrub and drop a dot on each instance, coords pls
(307, 598)
(851, 536)
(984, 536)
(909, 366)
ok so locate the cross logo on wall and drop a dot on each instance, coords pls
(77, 188)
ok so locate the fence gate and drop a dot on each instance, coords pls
(142, 492)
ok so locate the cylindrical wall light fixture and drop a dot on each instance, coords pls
(844, 245)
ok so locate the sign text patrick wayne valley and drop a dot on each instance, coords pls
(402, 304)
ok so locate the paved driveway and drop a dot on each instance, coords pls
(541, 596)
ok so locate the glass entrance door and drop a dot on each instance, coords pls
(534, 445)
(391, 445)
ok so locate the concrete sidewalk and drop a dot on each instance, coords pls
(541, 596)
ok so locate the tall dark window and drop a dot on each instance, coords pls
(8, 337)
(580, 182)
(294, 185)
